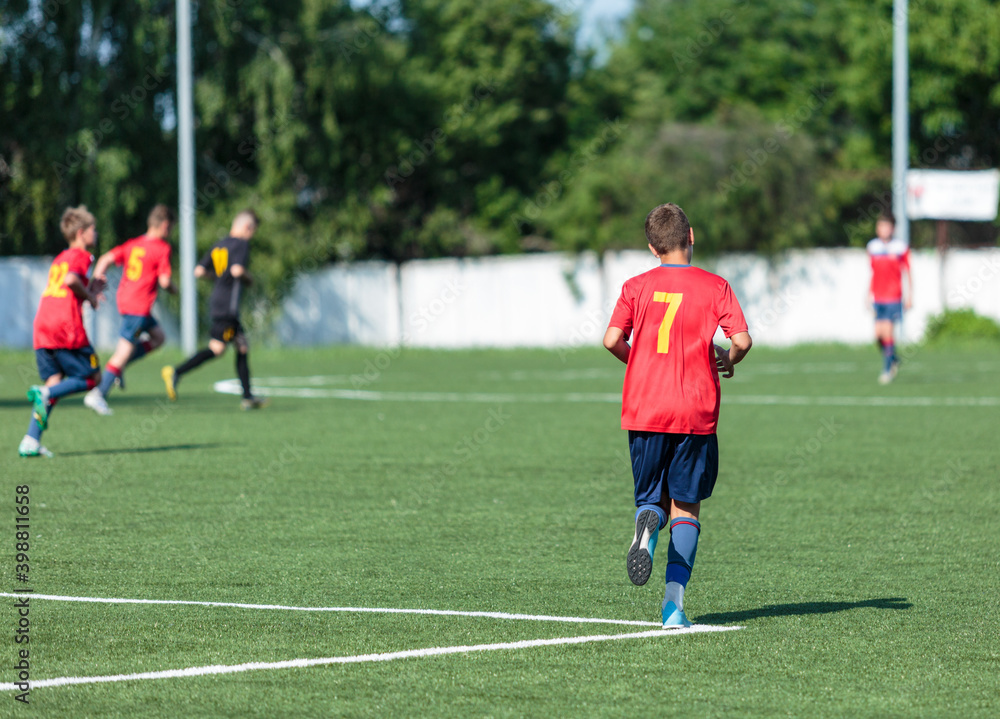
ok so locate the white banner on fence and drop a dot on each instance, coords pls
(952, 195)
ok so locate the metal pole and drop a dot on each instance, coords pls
(185, 162)
(900, 116)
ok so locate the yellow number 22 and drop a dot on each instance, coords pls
(673, 300)
(57, 278)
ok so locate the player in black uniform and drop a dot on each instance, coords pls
(227, 263)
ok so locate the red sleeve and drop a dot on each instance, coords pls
(165, 269)
(119, 254)
(623, 315)
(79, 263)
(904, 260)
(731, 318)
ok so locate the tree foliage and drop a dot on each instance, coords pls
(420, 128)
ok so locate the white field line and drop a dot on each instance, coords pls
(232, 386)
(359, 658)
(357, 610)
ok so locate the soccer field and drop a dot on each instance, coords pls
(851, 546)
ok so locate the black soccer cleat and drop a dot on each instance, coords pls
(639, 561)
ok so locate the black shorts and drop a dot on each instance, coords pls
(226, 329)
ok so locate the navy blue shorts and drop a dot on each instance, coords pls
(135, 325)
(70, 363)
(680, 466)
(892, 311)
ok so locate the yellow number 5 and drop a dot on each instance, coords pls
(673, 300)
(134, 269)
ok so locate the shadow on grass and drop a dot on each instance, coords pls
(802, 608)
(142, 450)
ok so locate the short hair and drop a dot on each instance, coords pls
(247, 215)
(887, 216)
(75, 219)
(667, 228)
(159, 214)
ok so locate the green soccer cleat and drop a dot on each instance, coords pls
(39, 396)
(674, 618)
(639, 560)
(169, 379)
(30, 447)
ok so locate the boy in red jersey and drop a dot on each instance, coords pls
(890, 258)
(670, 398)
(66, 361)
(147, 268)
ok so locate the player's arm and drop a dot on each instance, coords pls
(111, 257)
(167, 283)
(79, 288)
(727, 359)
(614, 342)
(199, 272)
(242, 274)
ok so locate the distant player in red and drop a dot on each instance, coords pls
(147, 269)
(890, 258)
(66, 362)
(670, 398)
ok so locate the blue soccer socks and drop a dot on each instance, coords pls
(684, 533)
(888, 355)
(639, 560)
(70, 385)
(108, 379)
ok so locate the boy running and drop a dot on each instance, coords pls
(227, 261)
(66, 362)
(890, 258)
(670, 397)
(147, 268)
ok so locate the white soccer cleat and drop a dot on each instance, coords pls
(885, 378)
(31, 447)
(95, 401)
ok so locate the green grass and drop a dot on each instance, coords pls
(856, 544)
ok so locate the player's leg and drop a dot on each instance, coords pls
(684, 532)
(95, 399)
(691, 479)
(155, 339)
(650, 454)
(884, 336)
(66, 372)
(243, 372)
(220, 334)
(48, 371)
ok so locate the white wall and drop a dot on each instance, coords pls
(22, 281)
(557, 300)
(344, 304)
(537, 301)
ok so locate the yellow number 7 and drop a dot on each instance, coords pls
(673, 300)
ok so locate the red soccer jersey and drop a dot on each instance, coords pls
(145, 259)
(59, 320)
(671, 381)
(889, 259)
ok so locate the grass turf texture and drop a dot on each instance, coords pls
(856, 544)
